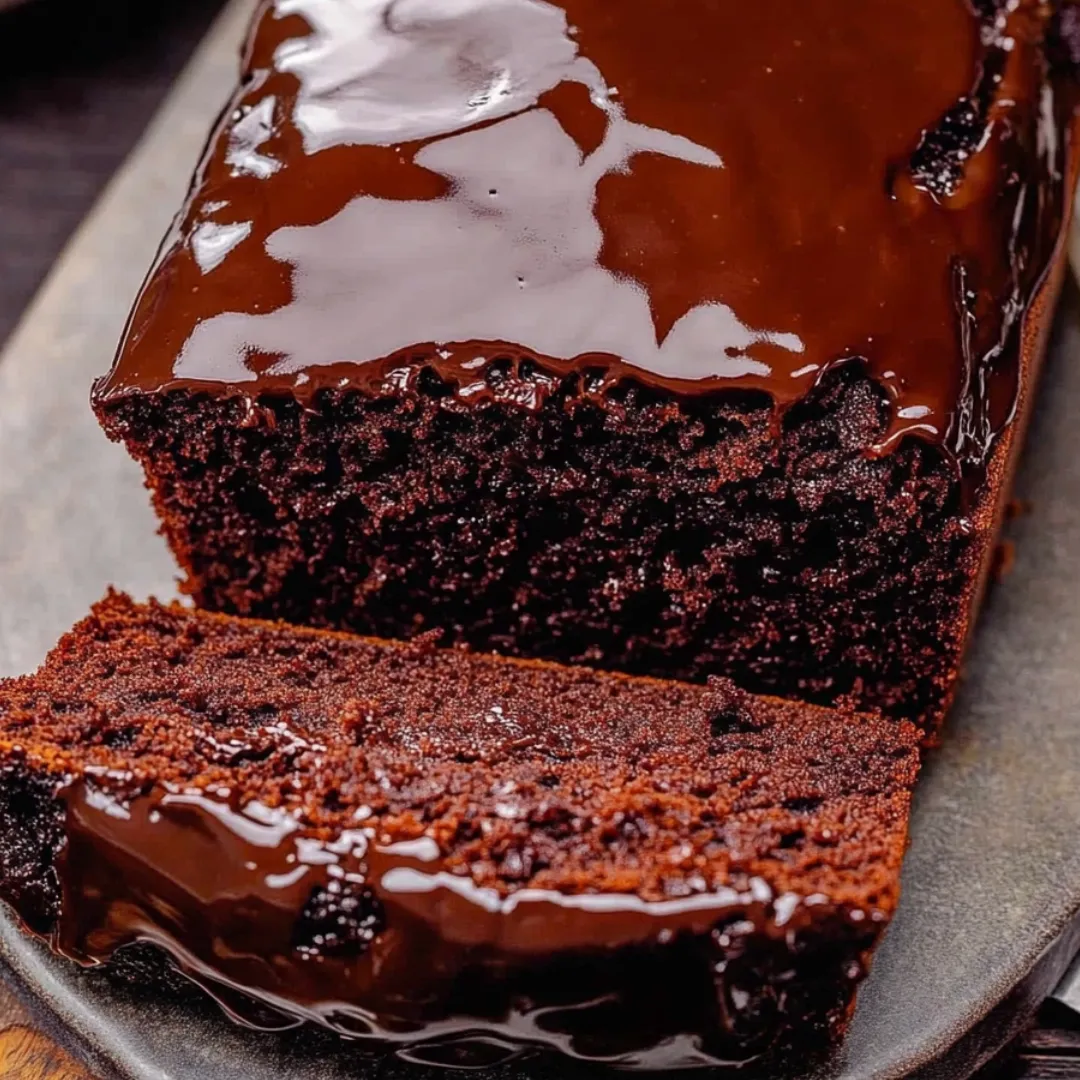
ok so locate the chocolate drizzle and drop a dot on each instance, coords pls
(371, 937)
(733, 195)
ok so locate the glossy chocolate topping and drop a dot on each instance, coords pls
(380, 939)
(699, 195)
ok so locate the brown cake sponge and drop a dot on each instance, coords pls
(411, 843)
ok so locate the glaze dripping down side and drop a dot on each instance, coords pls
(382, 942)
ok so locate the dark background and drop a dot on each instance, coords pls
(79, 80)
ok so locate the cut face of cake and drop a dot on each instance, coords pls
(416, 844)
(671, 338)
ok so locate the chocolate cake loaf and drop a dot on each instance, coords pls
(671, 338)
(398, 841)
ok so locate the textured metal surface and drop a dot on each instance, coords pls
(992, 884)
(1067, 991)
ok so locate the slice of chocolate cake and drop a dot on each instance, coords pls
(414, 844)
(670, 337)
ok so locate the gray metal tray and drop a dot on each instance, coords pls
(992, 886)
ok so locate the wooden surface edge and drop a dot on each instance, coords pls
(26, 1053)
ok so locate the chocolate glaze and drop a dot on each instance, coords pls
(373, 938)
(698, 196)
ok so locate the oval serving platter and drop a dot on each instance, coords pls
(988, 921)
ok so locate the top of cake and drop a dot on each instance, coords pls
(520, 773)
(699, 195)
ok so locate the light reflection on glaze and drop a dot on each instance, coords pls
(713, 195)
(537, 239)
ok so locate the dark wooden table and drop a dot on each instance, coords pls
(79, 79)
